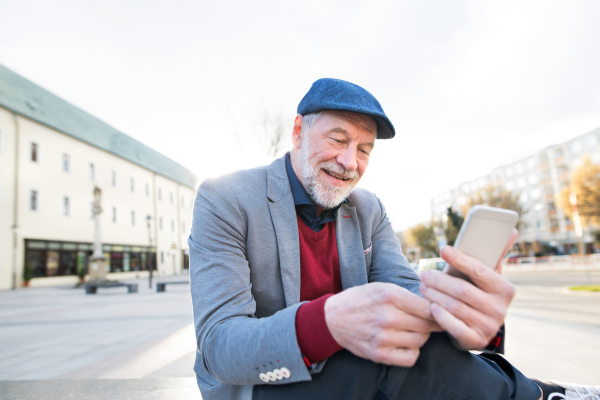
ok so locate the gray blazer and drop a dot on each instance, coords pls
(245, 275)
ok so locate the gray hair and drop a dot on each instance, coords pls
(308, 121)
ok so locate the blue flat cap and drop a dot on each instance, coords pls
(335, 94)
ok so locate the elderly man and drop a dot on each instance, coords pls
(301, 291)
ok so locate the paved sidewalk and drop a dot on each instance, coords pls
(60, 343)
(62, 333)
(552, 334)
(101, 389)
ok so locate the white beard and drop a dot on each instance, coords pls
(326, 196)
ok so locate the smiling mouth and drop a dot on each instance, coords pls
(335, 175)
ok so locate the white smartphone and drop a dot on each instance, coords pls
(484, 235)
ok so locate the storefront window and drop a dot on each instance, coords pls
(65, 258)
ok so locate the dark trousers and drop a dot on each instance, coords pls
(442, 372)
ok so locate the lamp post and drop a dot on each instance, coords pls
(577, 222)
(579, 230)
(148, 219)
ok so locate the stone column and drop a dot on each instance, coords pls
(97, 266)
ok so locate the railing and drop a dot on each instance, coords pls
(554, 263)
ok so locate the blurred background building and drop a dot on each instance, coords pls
(537, 181)
(52, 156)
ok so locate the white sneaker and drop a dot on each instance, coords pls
(574, 391)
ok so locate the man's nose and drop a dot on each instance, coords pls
(347, 158)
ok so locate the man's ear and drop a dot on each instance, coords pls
(296, 131)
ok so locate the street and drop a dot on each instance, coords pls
(61, 334)
(552, 334)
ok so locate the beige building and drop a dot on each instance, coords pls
(52, 156)
(537, 179)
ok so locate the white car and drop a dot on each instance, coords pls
(431, 263)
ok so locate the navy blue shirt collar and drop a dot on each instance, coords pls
(305, 208)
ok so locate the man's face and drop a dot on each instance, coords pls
(334, 155)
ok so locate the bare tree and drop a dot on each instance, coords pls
(268, 130)
(271, 129)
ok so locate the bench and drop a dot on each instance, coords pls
(162, 286)
(92, 288)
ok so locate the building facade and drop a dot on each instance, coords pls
(537, 180)
(52, 156)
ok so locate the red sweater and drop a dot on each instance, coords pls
(319, 279)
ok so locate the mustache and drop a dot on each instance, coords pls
(339, 170)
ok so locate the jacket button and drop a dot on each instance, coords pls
(271, 376)
(285, 372)
(278, 374)
(264, 377)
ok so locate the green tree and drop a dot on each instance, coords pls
(494, 197)
(453, 224)
(585, 183)
(424, 237)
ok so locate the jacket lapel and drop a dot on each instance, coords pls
(283, 215)
(353, 268)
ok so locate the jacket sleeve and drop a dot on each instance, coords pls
(388, 264)
(234, 345)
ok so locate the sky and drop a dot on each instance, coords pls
(469, 85)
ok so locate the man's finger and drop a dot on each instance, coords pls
(511, 241)
(396, 356)
(483, 276)
(403, 321)
(484, 323)
(462, 291)
(465, 336)
(401, 339)
(409, 302)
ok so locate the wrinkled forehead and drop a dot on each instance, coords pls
(363, 121)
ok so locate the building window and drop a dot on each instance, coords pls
(540, 224)
(114, 214)
(519, 168)
(147, 190)
(160, 223)
(172, 225)
(66, 163)
(92, 171)
(133, 218)
(558, 153)
(162, 257)
(591, 141)
(33, 200)
(132, 184)
(34, 152)
(171, 197)
(66, 206)
(159, 193)
(182, 202)
(65, 258)
(113, 180)
(576, 146)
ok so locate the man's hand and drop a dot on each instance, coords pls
(471, 314)
(381, 322)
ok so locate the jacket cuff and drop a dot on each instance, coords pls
(314, 339)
